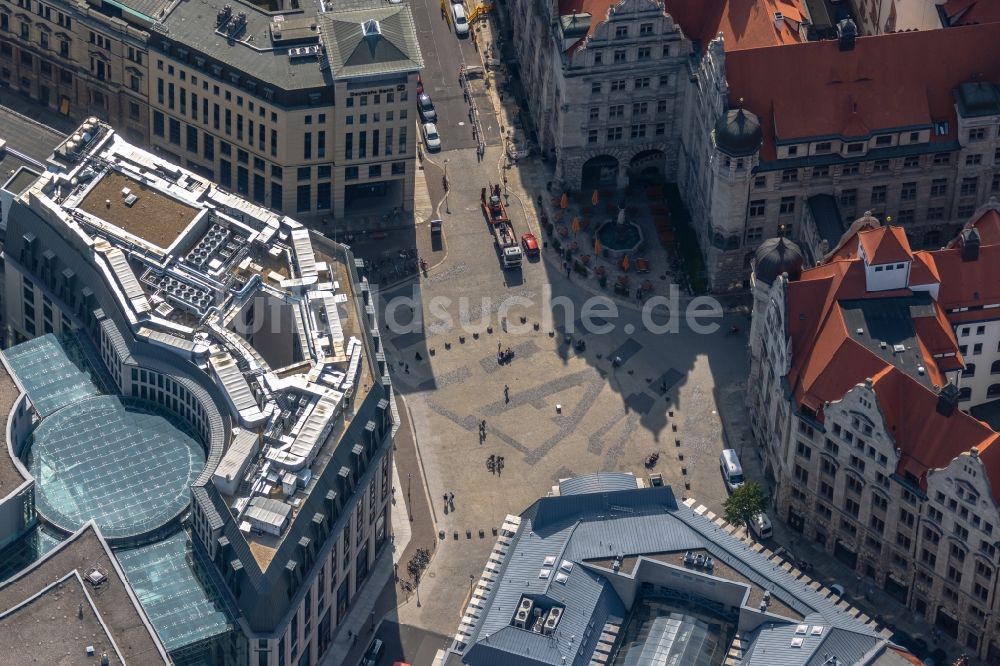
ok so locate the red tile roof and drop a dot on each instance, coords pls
(928, 439)
(988, 226)
(885, 245)
(828, 361)
(968, 283)
(964, 12)
(744, 23)
(887, 81)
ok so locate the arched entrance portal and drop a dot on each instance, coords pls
(599, 172)
(646, 168)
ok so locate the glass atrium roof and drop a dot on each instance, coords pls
(116, 460)
(53, 370)
(184, 607)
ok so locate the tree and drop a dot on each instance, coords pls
(745, 503)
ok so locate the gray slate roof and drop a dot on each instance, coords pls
(603, 523)
(595, 483)
(391, 47)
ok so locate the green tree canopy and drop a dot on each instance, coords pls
(746, 502)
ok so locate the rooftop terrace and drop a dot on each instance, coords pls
(154, 216)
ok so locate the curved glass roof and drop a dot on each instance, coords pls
(119, 461)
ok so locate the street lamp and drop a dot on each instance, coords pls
(409, 510)
(472, 582)
(447, 189)
(416, 588)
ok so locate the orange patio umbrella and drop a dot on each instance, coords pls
(564, 201)
(625, 264)
(576, 225)
(594, 198)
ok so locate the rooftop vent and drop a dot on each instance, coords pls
(969, 242)
(96, 577)
(778, 18)
(947, 399)
(797, 642)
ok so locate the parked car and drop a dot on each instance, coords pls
(760, 525)
(837, 589)
(431, 138)
(732, 470)
(530, 244)
(461, 20)
(426, 108)
(373, 653)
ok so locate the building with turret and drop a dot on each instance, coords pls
(873, 397)
(772, 122)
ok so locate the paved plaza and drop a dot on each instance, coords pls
(566, 412)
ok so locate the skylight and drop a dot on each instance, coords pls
(371, 28)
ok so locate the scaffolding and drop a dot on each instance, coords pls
(470, 98)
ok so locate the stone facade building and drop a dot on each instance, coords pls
(831, 148)
(864, 372)
(607, 100)
(298, 107)
(755, 157)
(81, 59)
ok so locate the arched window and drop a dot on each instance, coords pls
(965, 393)
(970, 370)
(993, 391)
(995, 368)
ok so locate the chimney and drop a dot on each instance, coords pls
(778, 19)
(947, 399)
(969, 242)
(846, 32)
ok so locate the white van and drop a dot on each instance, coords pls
(732, 470)
(461, 20)
(761, 526)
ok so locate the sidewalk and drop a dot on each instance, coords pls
(380, 594)
(863, 593)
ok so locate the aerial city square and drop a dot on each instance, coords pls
(500, 332)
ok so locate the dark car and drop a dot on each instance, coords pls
(426, 108)
(373, 653)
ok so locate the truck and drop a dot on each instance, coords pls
(500, 226)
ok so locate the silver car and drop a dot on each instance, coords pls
(431, 138)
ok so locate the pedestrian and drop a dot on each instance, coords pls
(506, 393)
(499, 346)
(482, 426)
(451, 498)
(406, 368)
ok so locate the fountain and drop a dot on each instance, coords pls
(620, 237)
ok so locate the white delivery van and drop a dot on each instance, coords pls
(732, 470)
(761, 526)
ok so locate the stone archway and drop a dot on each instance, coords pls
(647, 167)
(599, 172)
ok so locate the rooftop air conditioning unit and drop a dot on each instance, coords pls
(552, 620)
(523, 615)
